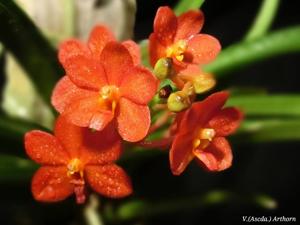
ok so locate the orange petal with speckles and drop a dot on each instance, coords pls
(100, 147)
(109, 180)
(116, 61)
(139, 85)
(71, 48)
(226, 121)
(202, 49)
(165, 25)
(51, 184)
(85, 72)
(134, 50)
(99, 37)
(181, 153)
(133, 120)
(88, 112)
(44, 148)
(189, 23)
(66, 92)
(156, 49)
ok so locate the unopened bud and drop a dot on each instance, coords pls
(163, 68)
(178, 101)
(203, 83)
(165, 91)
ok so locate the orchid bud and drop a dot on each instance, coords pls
(178, 101)
(203, 83)
(163, 68)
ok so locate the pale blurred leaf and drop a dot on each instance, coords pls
(20, 99)
(54, 17)
(118, 15)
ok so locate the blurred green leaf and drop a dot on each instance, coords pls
(30, 48)
(287, 105)
(134, 209)
(12, 134)
(185, 5)
(266, 201)
(15, 169)
(268, 130)
(249, 52)
(264, 19)
(140, 209)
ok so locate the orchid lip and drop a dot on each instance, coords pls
(204, 137)
(109, 95)
(75, 167)
(177, 50)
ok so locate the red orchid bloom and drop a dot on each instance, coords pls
(103, 82)
(178, 38)
(73, 158)
(201, 132)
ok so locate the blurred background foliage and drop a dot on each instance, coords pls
(258, 63)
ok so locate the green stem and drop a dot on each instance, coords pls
(185, 5)
(263, 20)
(249, 52)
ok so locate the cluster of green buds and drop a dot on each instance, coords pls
(188, 82)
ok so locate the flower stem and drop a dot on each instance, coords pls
(162, 120)
(263, 20)
(163, 143)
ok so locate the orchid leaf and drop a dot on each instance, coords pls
(185, 5)
(15, 169)
(275, 105)
(264, 19)
(137, 209)
(12, 134)
(249, 52)
(268, 130)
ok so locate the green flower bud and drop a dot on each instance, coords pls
(163, 68)
(178, 101)
(203, 83)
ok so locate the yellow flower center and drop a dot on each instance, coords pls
(109, 97)
(75, 168)
(177, 50)
(203, 138)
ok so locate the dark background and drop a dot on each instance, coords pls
(270, 168)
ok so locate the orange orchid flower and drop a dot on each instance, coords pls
(74, 157)
(104, 82)
(201, 132)
(178, 38)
